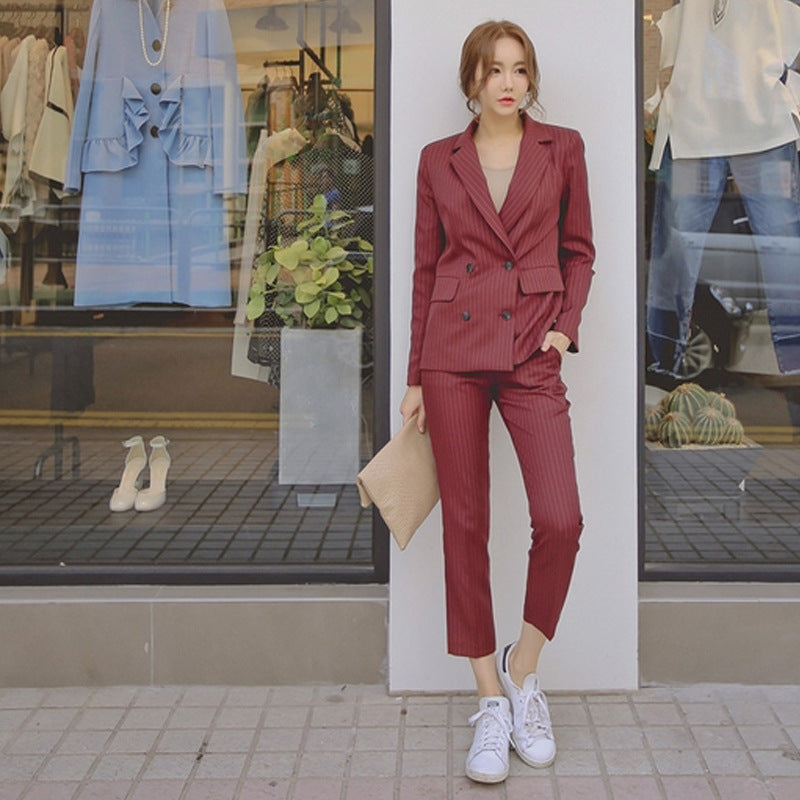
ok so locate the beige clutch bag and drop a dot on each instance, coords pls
(401, 481)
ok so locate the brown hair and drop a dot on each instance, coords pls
(478, 51)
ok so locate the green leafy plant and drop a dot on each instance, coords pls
(316, 276)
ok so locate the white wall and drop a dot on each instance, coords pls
(586, 55)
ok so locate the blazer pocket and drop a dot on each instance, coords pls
(541, 279)
(444, 289)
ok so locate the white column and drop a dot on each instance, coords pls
(586, 56)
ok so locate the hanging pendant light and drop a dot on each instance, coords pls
(271, 21)
(344, 23)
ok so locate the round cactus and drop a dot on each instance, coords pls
(652, 419)
(734, 431)
(675, 429)
(721, 403)
(709, 425)
(688, 398)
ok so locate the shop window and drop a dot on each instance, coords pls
(187, 288)
(722, 315)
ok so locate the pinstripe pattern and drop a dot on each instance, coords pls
(533, 404)
(489, 285)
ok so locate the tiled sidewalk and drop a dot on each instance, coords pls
(358, 743)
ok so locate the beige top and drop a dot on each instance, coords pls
(498, 181)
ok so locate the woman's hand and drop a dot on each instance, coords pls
(556, 339)
(412, 404)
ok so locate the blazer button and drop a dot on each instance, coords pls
(465, 316)
(154, 131)
(508, 265)
(155, 88)
(470, 267)
(506, 314)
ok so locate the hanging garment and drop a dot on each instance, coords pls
(729, 92)
(50, 147)
(157, 140)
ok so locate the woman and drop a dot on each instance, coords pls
(503, 264)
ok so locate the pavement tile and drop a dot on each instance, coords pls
(611, 714)
(158, 790)
(718, 737)
(291, 695)
(370, 789)
(52, 791)
(189, 717)
(181, 741)
(787, 713)
(118, 767)
(573, 788)
(381, 763)
(33, 743)
(169, 767)
(777, 763)
(105, 790)
(230, 741)
(627, 762)
(145, 718)
(160, 696)
(577, 762)
(21, 698)
(626, 787)
(51, 719)
(784, 788)
(264, 790)
(12, 719)
(286, 717)
(221, 765)
(376, 739)
(426, 715)
(745, 713)
(735, 788)
(316, 789)
(320, 765)
(527, 787)
(575, 737)
(424, 738)
(564, 714)
(669, 737)
(112, 696)
(20, 768)
(247, 696)
(426, 788)
(204, 696)
(272, 765)
(677, 762)
(465, 789)
(658, 713)
(99, 719)
(614, 737)
(12, 791)
(280, 739)
(418, 763)
(379, 715)
(238, 717)
(210, 790)
(728, 762)
(688, 789)
(325, 739)
(132, 741)
(67, 697)
(66, 768)
(82, 742)
(705, 713)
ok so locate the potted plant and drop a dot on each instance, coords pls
(310, 298)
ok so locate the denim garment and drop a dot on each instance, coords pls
(688, 193)
(155, 148)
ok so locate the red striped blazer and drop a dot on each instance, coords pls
(489, 285)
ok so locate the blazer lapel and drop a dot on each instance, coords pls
(533, 164)
(468, 168)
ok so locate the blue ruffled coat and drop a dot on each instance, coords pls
(155, 149)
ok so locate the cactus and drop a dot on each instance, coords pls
(688, 398)
(709, 425)
(733, 432)
(721, 403)
(652, 419)
(675, 429)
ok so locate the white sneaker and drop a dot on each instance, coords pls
(532, 735)
(487, 760)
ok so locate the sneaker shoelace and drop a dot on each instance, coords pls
(536, 718)
(493, 729)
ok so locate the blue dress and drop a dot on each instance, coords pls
(155, 149)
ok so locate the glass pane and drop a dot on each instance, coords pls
(187, 228)
(723, 288)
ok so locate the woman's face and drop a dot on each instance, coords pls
(508, 80)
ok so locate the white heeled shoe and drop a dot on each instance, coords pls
(155, 495)
(124, 496)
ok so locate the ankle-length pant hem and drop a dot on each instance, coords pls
(532, 402)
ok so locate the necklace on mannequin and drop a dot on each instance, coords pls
(166, 34)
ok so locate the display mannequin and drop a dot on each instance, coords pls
(729, 107)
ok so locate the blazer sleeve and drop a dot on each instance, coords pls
(576, 248)
(428, 239)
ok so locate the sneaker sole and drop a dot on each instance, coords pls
(480, 777)
(529, 761)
